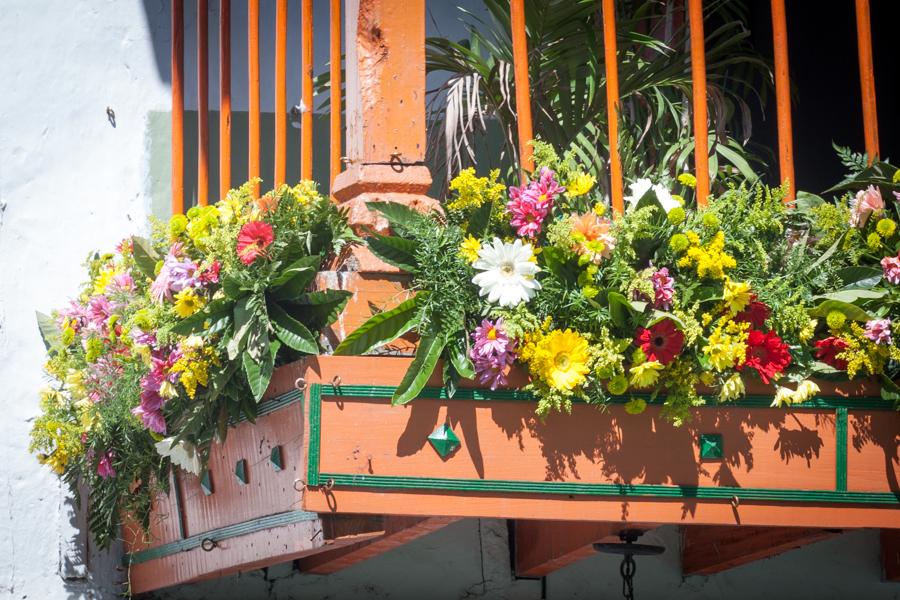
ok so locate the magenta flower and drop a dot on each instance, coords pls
(879, 331)
(492, 354)
(891, 267)
(98, 311)
(123, 282)
(152, 420)
(104, 467)
(663, 289)
(529, 206)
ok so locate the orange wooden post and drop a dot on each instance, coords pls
(202, 102)
(698, 76)
(612, 104)
(177, 106)
(335, 117)
(523, 95)
(306, 68)
(281, 20)
(253, 92)
(783, 98)
(867, 77)
(224, 97)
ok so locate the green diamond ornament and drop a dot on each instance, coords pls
(276, 459)
(206, 484)
(711, 446)
(240, 471)
(444, 440)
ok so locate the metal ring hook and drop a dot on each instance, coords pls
(300, 384)
(208, 544)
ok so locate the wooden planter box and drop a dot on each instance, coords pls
(347, 454)
(832, 463)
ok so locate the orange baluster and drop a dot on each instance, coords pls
(867, 77)
(698, 75)
(253, 92)
(335, 117)
(612, 104)
(177, 106)
(281, 20)
(523, 94)
(224, 97)
(306, 68)
(202, 102)
(783, 98)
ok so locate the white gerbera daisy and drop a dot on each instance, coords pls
(184, 454)
(640, 187)
(507, 272)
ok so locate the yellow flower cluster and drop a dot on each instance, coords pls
(474, 191)
(711, 260)
(560, 358)
(194, 364)
(469, 248)
(727, 345)
(580, 184)
(863, 355)
(187, 302)
(736, 295)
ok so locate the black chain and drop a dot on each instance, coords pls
(627, 569)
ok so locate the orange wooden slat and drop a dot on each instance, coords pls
(253, 92)
(867, 77)
(224, 97)
(306, 68)
(177, 106)
(698, 76)
(335, 117)
(783, 98)
(281, 21)
(523, 95)
(612, 104)
(202, 102)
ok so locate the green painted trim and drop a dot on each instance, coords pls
(612, 489)
(318, 391)
(315, 424)
(756, 401)
(267, 407)
(220, 534)
(840, 435)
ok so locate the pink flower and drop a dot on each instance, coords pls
(866, 202)
(490, 338)
(879, 331)
(99, 310)
(891, 267)
(104, 467)
(253, 240)
(529, 206)
(152, 420)
(123, 282)
(663, 289)
(492, 354)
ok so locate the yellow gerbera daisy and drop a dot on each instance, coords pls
(187, 302)
(469, 248)
(562, 359)
(645, 374)
(580, 184)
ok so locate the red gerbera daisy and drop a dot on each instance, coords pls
(828, 349)
(253, 240)
(661, 342)
(767, 354)
(756, 313)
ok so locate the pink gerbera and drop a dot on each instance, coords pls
(253, 240)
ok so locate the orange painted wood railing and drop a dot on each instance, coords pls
(177, 106)
(224, 97)
(698, 77)
(306, 68)
(335, 116)
(867, 77)
(612, 104)
(253, 116)
(202, 102)
(281, 27)
(523, 95)
(783, 98)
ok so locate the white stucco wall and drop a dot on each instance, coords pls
(70, 183)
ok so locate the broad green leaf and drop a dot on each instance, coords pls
(381, 329)
(479, 220)
(292, 332)
(50, 332)
(620, 309)
(851, 296)
(394, 250)
(827, 254)
(305, 268)
(398, 214)
(861, 277)
(889, 390)
(322, 307)
(243, 319)
(851, 311)
(145, 257)
(459, 357)
(427, 355)
(259, 373)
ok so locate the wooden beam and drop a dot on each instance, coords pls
(335, 116)
(612, 105)
(397, 531)
(177, 56)
(541, 547)
(711, 549)
(523, 92)
(890, 554)
(783, 98)
(698, 77)
(224, 98)
(202, 102)
(867, 78)
(306, 91)
(253, 110)
(281, 28)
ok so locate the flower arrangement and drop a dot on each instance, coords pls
(667, 301)
(173, 337)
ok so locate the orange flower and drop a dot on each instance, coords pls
(590, 227)
(267, 204)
